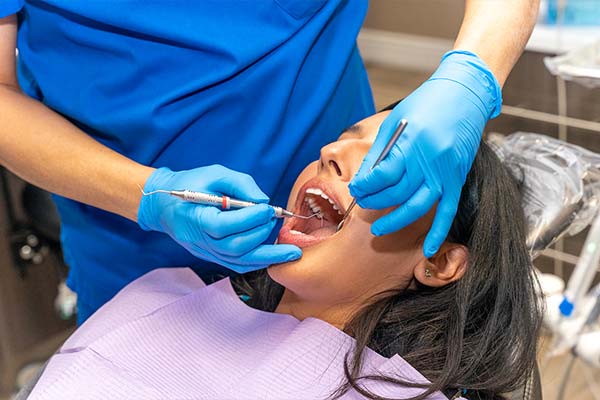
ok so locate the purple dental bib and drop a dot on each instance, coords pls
(169, 336)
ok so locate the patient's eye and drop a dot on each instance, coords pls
(353, 132)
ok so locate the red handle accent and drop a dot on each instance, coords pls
(225, 204)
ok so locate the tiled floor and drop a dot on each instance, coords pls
(390, 85)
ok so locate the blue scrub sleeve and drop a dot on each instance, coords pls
(8, 7)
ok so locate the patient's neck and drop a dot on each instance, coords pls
(338, 314)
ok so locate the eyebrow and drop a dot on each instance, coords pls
(354, 129)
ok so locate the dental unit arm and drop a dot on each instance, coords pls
(560, 186)
(579, 307)
(584, 272)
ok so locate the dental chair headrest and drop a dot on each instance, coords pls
(559, 182)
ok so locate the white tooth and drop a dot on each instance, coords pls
(335, 207)
(293, 232)
(323, 195)
(341, 213)
(314, 191)
(316, 209)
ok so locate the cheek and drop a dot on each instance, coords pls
(309, 277)
(381, 257)
(309, 172)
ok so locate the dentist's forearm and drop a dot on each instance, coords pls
(47, 150)
(497, 31)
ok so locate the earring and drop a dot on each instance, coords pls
(427, 273)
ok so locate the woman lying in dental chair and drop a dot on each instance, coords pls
(357, 316)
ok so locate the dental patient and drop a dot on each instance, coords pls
(358, 316)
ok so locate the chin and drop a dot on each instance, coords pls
(306, 276)
(289, 273)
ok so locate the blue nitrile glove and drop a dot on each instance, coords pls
(231, 238)
(430, 161)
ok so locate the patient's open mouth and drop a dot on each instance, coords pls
(315, 197)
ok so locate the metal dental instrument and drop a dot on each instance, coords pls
(383, 154)
(222, 202)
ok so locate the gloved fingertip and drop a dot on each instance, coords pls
(264, 211)
(429, 251)
(354, 188)
(288, 252)
(260, 198)
(264, 208)
(271, 213)
(295, 255)
(362, 202)
(376, 230)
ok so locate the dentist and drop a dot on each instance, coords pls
(231, 97)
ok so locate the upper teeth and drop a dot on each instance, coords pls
(318, 192)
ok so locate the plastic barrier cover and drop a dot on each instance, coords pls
(560, 184)
(580, 65)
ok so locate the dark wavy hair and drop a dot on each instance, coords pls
(477, 334)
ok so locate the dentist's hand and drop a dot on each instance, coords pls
(430, 161)
(231, 238)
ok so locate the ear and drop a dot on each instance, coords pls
(448, 265)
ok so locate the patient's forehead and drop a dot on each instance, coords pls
(366, 128)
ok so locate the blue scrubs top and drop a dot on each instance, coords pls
(255, 85)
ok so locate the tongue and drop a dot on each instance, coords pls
(319, 228)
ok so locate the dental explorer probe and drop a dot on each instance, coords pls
(222, 202)
(384, 153)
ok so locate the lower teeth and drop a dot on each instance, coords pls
(293, 232)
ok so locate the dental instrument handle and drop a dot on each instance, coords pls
(388, 147)
(386, 150)
(223, 202)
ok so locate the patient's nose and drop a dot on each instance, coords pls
(335, 160)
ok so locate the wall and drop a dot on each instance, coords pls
(439, 18)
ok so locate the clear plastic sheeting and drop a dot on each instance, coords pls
(581, 65)
(560, 184)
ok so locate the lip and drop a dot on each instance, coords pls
(301, 240)
(287, 237)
